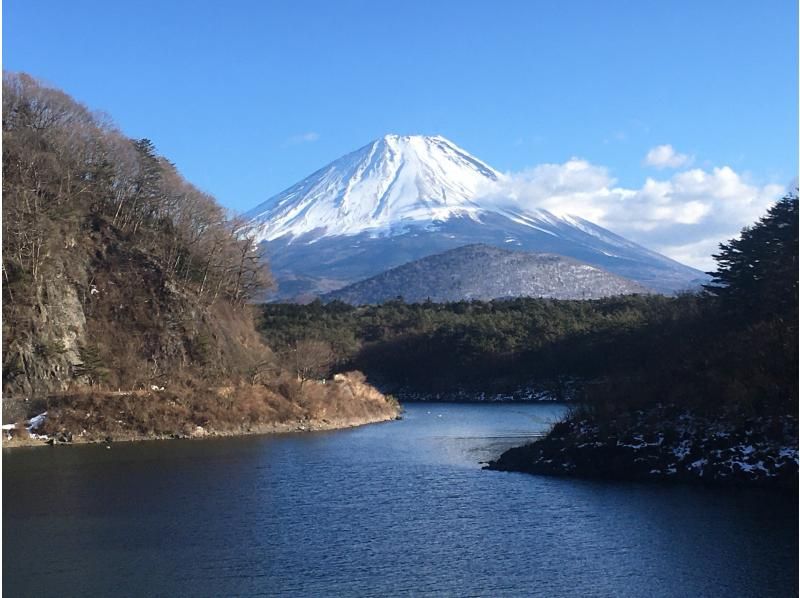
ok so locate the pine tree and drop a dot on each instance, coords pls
(756, 276)
(91, 366)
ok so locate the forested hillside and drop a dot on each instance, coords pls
(115, 268)
(719, 403)
(119, 275)
(733, 344)
(483, 272)
(485, 347)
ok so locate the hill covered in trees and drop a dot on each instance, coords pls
(472, 348)
(120, 277)
(631, 349)
(483, 272)
(720, 404)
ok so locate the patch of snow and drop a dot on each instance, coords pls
(744, 466)
(682, 450)
(638, 446)
(35, 422)
(595, 444)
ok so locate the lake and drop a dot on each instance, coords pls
(394, 509)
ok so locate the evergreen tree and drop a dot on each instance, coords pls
(756, 275)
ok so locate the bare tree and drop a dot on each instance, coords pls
(310, 359)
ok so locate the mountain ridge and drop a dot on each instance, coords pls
(484, 272)
(392, 179)
(401, 198)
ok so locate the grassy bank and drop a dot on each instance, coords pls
(290, 405)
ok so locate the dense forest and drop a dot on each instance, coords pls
(119, 276)
(719, 406)
(734, 343)
(491, 346)
(741, 354)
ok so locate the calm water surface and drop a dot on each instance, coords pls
(393, 509)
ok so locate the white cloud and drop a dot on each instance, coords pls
(684, 216)
(698, 254)
(665, 156)
(309, 137)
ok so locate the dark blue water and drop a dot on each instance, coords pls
(392, 509)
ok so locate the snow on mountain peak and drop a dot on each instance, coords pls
(384, 186)
(405, 197)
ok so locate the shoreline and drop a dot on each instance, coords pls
(665, 446)
(297, 427)
(528, 393)
(91, 416)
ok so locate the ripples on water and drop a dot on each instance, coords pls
(400, 508)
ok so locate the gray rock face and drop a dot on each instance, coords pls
(482, 272)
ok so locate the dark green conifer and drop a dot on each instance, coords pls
(756, 275)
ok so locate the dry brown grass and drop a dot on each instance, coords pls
(94, 415)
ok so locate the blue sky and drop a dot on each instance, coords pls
(249, 97)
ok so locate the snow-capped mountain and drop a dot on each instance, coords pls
(402, 198)
(382, 187)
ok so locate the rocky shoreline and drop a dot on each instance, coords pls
(666, 444)
(297, 427)
(520, 394)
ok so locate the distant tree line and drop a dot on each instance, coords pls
(478, 345)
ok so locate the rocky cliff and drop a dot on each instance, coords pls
(127, 291)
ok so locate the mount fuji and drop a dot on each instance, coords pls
(401, 198)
